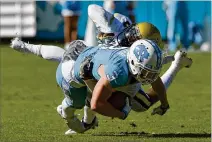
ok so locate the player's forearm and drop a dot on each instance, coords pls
(100, 105)
(106, 109)
(101, 93)
(159, 88)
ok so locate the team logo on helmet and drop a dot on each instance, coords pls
(141, 53)
(144, 59)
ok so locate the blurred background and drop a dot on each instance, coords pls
(181, 23)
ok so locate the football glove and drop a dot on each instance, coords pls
(160, 110)
(168, 59)
(127, 108)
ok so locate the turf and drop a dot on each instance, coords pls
(29, 97)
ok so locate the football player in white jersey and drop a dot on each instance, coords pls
(114, 29)
(117, 29)
(51, 52)
(108, 25)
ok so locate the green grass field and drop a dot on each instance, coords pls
(29, 97)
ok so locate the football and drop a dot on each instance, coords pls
(118, 100)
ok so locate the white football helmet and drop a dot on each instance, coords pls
(145, 60)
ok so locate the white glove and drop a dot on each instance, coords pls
(127, 108)
(160, 110)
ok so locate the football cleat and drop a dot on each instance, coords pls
(59, 111)
(18, 45)
(181, 60)
(93, 124)
(70, 132)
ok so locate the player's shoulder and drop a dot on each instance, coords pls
(117, 71)
(89, 50)
(119, 56)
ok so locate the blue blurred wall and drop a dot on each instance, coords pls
(150, 11)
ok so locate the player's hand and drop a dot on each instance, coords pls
(127, 108)
(161, 110)
(168, 59)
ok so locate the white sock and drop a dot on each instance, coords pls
(35, 49)
(89, 115)
(169, 75)
(48, 52)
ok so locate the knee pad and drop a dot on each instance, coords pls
(73, 51)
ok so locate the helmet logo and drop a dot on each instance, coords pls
(141, 53)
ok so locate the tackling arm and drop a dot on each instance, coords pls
(158, 90)
(142, 101)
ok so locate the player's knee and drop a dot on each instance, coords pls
(95, 12)
(91, 9)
